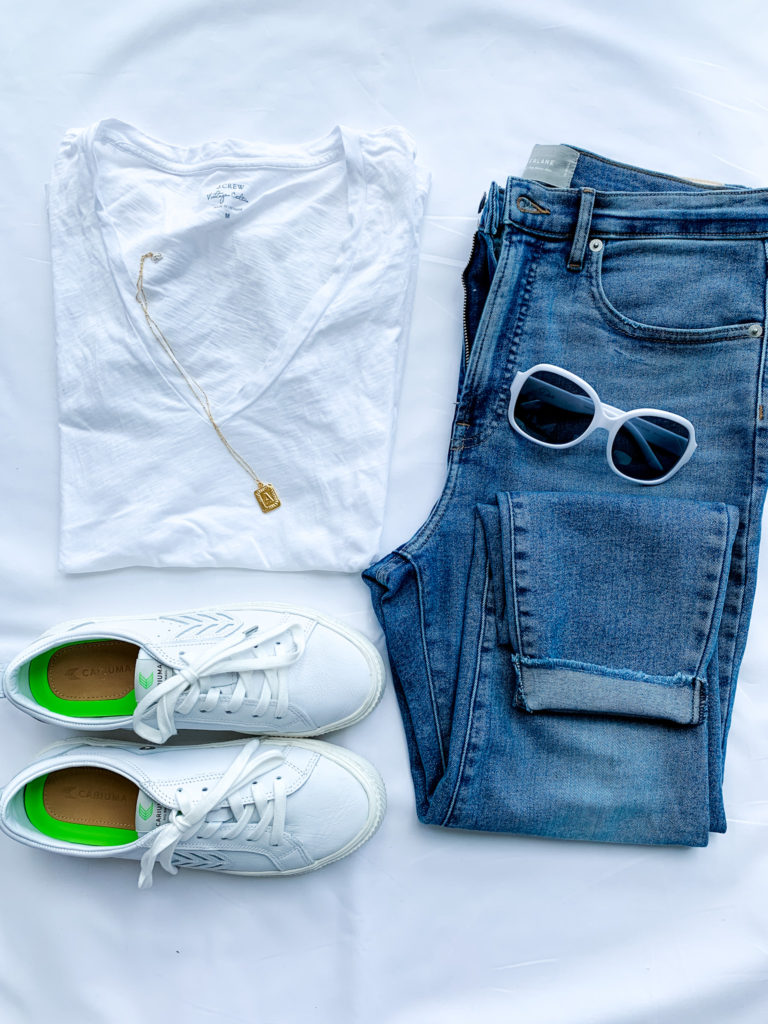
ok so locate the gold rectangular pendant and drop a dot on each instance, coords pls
(266, 495)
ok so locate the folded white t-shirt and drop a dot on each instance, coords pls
(285, 289)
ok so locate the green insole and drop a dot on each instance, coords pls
(85, 805)
(86, 679)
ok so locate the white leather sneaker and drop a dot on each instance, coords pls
(259, 669)
(248, 807)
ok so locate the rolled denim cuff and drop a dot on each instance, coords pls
(560, 686)
(611, 604)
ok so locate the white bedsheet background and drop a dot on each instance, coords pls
(421, 925)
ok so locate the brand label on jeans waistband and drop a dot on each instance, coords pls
(551, 165)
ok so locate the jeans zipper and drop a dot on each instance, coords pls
(467, 346)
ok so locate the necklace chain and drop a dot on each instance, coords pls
(265, 494)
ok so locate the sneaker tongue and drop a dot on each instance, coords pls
(149, 813)
(149, 672)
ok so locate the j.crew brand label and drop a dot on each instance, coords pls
(227, 196)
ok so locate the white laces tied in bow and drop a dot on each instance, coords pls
(237, 788)
(182, 691)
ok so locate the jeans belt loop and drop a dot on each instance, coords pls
(581, 234)
(489, 210)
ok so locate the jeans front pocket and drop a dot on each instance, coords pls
(611, 603)
(677, 289)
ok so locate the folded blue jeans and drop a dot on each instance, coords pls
(565, 643)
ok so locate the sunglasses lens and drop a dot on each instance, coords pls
(553, 409)
(649, 447)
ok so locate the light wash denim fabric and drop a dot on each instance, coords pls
(565, 644)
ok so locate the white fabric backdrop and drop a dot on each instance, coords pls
(421, 925)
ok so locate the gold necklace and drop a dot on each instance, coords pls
(265, 494)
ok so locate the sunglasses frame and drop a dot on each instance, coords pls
(605, 417)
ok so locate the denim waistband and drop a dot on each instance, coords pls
(618, 200)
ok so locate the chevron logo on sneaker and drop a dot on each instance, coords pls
(193, 859)
(146, 681)
(145, 812)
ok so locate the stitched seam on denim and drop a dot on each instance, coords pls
(513, 568)
(678, 680)
(487, 317)
(747, 525)
(424, 533)
(380, 570)
(699, 194)
(632, 328)
(722, 582)
(581, 233)
(703, 205)
(761, 369)
(599, 231)
(473, 696)
(553, 236)
(499, 412)
(518, 663)
(704, 236)
(516, 657)
(503, 398)
(425, 649)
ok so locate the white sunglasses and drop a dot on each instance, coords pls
(555, 408)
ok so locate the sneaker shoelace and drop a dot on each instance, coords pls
(237, 796)
(189, 688)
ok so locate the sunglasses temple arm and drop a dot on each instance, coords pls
(644, 446)
(561, 398)
(674, 443)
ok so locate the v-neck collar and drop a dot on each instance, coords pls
(340, 146)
